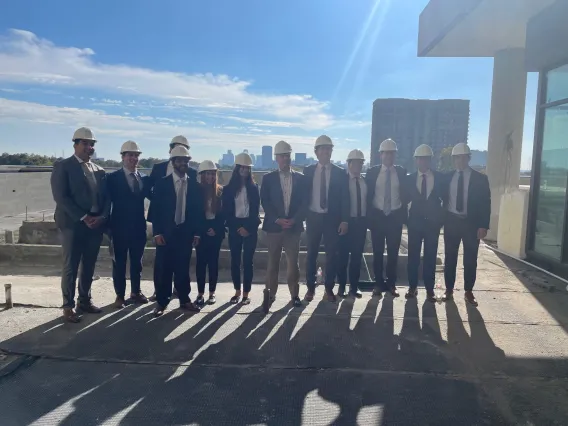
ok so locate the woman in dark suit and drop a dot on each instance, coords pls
(210, 246)
(241, 203)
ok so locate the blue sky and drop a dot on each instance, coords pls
(226, 74)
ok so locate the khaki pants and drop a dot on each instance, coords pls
(290, 241)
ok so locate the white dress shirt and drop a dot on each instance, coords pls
(286, 184)
(242, 206)
(379, 200)
(183, 195)
(353, 195)
(209, 213)
(130, 178)
(316, 186)
(454, 192)
(429, 182)
(89, 171)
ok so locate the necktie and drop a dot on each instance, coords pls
(387, 205)
(92, 180)
(323, 189)
(135, 184)
(358, 188)
(179, 202)
(459, 198)
(424, 187)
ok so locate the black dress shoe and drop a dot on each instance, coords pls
(341, 292)
(212, 300)
(189, 306)
(200, 301)
(71, 316)
(356, 294)
(449, 296)
(89, 308)
(411, 293)
(296, 302)
(139, 298)
(159, 311)
(431, 297)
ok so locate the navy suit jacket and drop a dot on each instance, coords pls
(371, 180)
(429, 212)
(338, 200)
(272, 199)
(158, 172)
(127, 212)
(250, 223)
(165, 199)
(478, 199)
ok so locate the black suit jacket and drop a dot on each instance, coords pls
(127, 212)
(72, 193)
(338, 200)
(429, 212)
(272, 199)
(158, 172)
(371, 180)
(478, 199)
(250, 223)
(165, 199)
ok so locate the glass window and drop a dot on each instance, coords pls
(557, 84)
(550, 214)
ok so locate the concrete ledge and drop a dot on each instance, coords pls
(38, 255)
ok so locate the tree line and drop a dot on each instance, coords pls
(24, 159)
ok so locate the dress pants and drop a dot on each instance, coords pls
(351, 247)
(385, 228)
(242, 247)
(80, 246)
(207, 258)
(125, 246)
(320, 225)
(429, 234)
(290, 242)
(456, 231)
(172, 262)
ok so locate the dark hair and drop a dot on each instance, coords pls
(235, 183)
(211, 192)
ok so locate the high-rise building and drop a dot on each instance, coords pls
(267, 160)
(412, 122)
(300, 159)
(228, 159)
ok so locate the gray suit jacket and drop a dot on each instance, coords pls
(72, 193)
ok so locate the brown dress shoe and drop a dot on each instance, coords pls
(330, 297)
(70, 315)
(138, 298)
(119, 303)
(309, 296)
(89, 308)
(470, 298)
(189, 306)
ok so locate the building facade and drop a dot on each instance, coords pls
(267, 160)
(412, 122)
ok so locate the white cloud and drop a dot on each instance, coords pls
(28, 59)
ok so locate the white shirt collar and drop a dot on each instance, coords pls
(327, 166)
(177, 178)
(128, 172)
(81, 161)
(353, 176)
(427, 173)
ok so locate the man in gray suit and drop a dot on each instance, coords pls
(284, 200)
(82, 207)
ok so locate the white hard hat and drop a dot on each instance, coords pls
(423, 151)
(206, 165)
(356, 154)
(181, 140)
(461, 149)
(130, 146)
(282, 147)
(323, 140)
(179, 151)
(84, 133)
(243, 159)
(388, 145)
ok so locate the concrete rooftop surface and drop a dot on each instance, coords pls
(362, 362)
